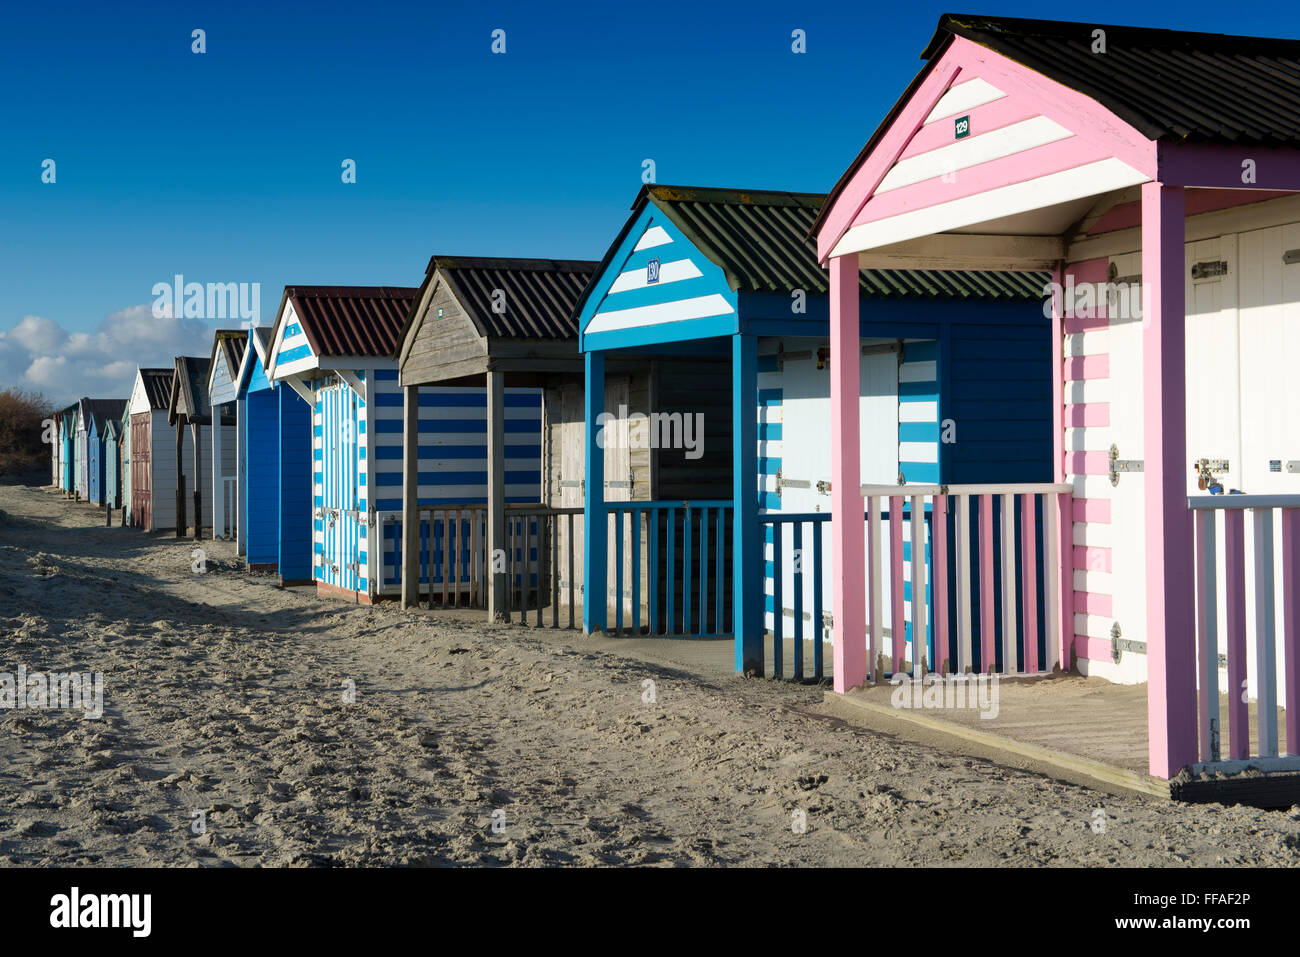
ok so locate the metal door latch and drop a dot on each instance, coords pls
(1118, 465)
(1119, 644)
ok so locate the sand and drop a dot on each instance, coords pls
(474, 745)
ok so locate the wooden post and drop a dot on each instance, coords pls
(747, 543)
(181, 524)
(196, 433)
(595, 525)
(498, 607)
(1170, 626)
(848, 611)
(411, 497)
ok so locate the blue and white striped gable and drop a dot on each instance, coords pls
(290, 351)
(657, 287)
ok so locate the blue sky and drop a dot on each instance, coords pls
(225, 166)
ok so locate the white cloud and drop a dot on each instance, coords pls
(39, 354)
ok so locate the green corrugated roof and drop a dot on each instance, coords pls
(760, 240)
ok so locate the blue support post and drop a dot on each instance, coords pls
(747, 544)
(595, 561)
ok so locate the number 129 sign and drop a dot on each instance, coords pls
(961, 126)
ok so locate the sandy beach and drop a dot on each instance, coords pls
(226, 703)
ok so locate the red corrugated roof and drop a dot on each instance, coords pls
(351, 320)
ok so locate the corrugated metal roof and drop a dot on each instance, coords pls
(538, 295)
(1170, 85)
(158, 386)
(761, 239)
(351, 320)
(232, 342)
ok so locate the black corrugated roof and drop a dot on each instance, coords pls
(97, 410)
(1171, 85)
(158, 386)
(539, 295)
(190, 390)
(761, 239)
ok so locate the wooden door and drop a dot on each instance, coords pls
(142, 470)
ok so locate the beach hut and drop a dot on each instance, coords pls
(1155, 173)
(113, 462)
(228, 346)
(124, 462)
(504, 326)
(188, 412)
(99, 412)
(153, 452)
(723, 288)
(275, 469)
(65, 423)
(80, 449)
(336, 347)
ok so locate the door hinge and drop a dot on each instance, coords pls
(1120, 644)
(1118, 465)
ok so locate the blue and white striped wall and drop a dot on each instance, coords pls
(918, 413)
(359, 467)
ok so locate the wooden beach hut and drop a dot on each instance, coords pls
(188, 412)
(1155, 173)
(153, 452)
(337, 348)
(275, 469)
(80, 450)
(724, 285)
(505, 327)
(99, 412)
(228, 347)
(113, 462)
(124, 462)
(65, 423)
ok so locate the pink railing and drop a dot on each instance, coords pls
(1222, 641)
(981, 611)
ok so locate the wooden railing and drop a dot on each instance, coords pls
(676, 557)
(456, 565)
(996, 608)
(800, 560)
(1221, 630)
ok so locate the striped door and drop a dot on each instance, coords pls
(341, 525)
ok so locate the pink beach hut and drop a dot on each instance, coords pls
(1154, 174)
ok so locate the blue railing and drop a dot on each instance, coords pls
(679, 567)
(774, 533)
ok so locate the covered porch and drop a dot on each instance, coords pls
(1074, 148)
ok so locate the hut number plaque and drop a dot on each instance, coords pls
(961, 127)
(652, 271)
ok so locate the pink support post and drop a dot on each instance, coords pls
(1234, 559)
(848, 575)
(939, 561)
(1291, 624)
(1171, 643)
(897, 623)
(988, 659)
(873, 599)
(1064, 512)
(1029, 582)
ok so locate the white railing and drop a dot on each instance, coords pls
(1222, 618)
(993, 620)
